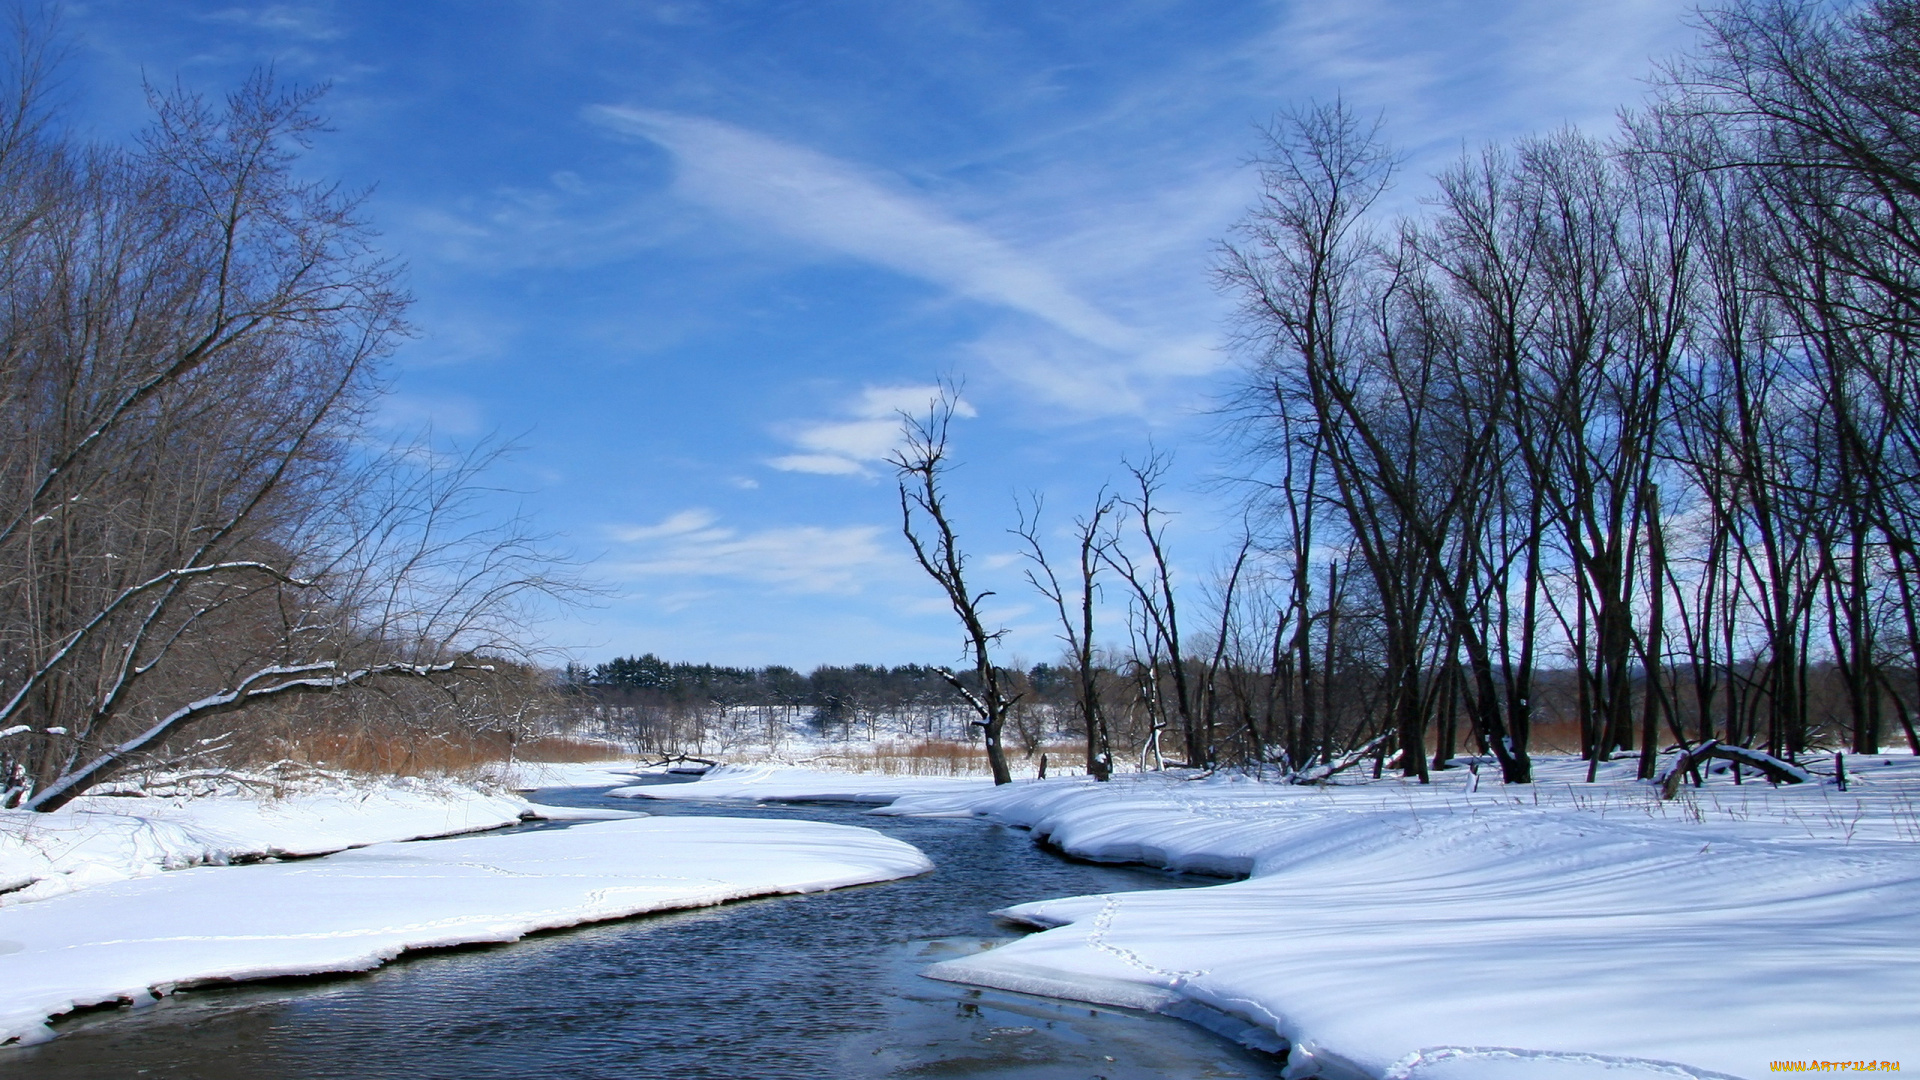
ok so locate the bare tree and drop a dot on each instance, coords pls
(922, 464)
(1150, 578)
(188, 528)
(1076, 613)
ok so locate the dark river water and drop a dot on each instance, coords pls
(821, 987)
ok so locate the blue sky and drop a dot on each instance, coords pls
(693, 256)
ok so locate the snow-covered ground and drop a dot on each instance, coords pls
(1466, 929)
(130, 940)
(529, 775)
(767, 783)
(1554, 930)
(98, 839)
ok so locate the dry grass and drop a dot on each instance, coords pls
(1063, 758)
(926, 758)
(937, 757)
(430, 754)
(1553, 737)
(564, 748)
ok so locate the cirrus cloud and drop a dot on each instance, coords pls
(847, 447)
(814, 198)
(691, 544)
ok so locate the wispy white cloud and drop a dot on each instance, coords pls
(687, 524)
(859, 440)
(817, 199)
(446, 414)
(305, 21)
(819, 465)
(1037, 261)
(848, 447)
(1451, 72)
(802, 559)
(1103, 288)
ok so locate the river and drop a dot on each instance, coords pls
(804, 987)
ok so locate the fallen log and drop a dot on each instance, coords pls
(680, 763)
(1775, 769)
(1319, 773)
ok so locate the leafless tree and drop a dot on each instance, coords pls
(1162, 658)
(1645, 403)
(1076, 614)
(189, 527)
(922, 464)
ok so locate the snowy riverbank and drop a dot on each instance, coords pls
(133, 940)
(1559, 930)
(1554, 931)
(98, 839)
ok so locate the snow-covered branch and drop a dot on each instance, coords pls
(1326, 771)
(279, 681)
(113, 607)
(1775, 769)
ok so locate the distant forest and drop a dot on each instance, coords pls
(675, 707)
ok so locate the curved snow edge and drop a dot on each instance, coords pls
(362, 909)
(1433, 932)
(101, 839)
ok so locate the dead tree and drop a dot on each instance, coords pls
(921, 463)
(1688, 763)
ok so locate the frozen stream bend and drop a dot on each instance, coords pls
(797, 986)
(358, 909)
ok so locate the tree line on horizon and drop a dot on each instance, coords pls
(672, 707)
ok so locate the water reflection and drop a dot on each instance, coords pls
(803, 987)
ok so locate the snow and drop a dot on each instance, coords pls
(104, 838)
(1559, 930)
(1758, 759)
(768, 783)
(532, 775)
(134, 939)
(1554, 931)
